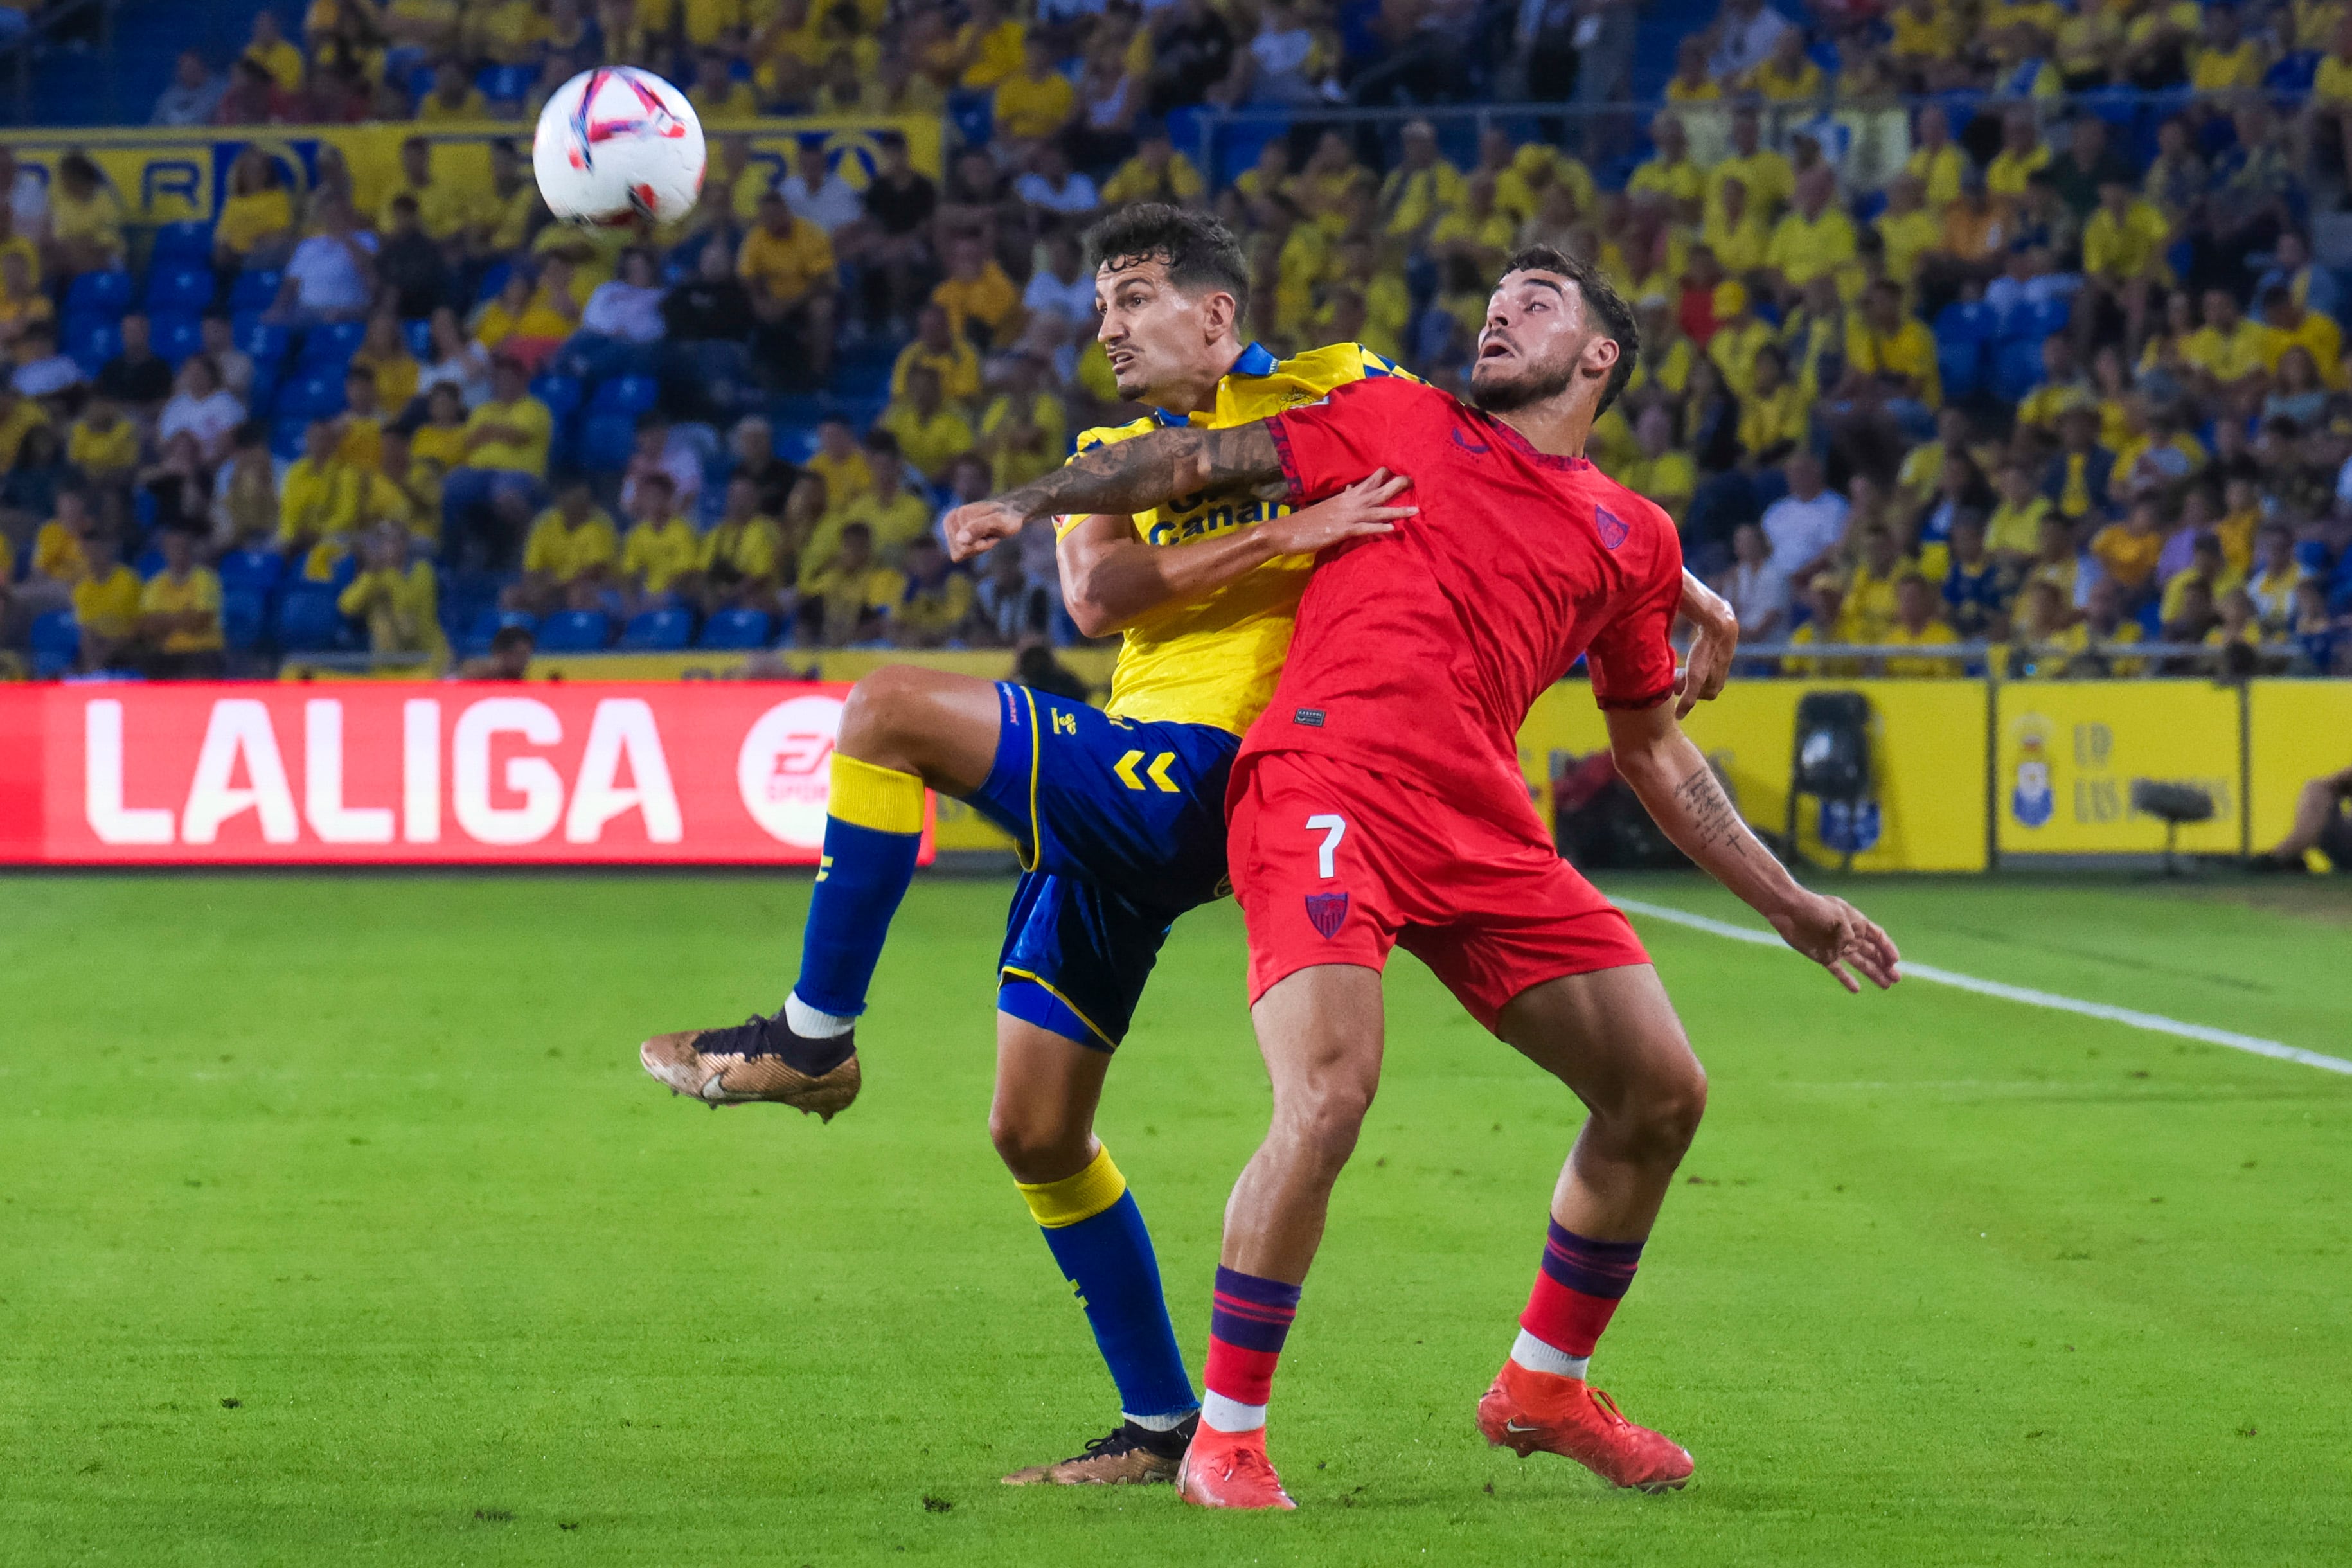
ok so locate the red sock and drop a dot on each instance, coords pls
(1575, 1294)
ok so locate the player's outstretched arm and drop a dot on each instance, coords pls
(1126, 477)
(1109, 577)
(1709, 664)
(1680, 792)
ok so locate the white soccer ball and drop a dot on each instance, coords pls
(616, 143)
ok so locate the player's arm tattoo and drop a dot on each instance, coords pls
(1712, 820)
(1153, 470)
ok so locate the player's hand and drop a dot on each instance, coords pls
(975, 526)
(1835, 934)
(1355, 513)
(1708, 665)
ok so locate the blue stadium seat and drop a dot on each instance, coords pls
(627, 395)
(2016, 369)
(286, 434)
(313, 393)
(150, 560)
(657, 631)
(2035, 320)
(576, 631)
(95, 345)
(255, 288)
(2294, 73)
(505, 84)
(736, 629)
(244, 616)
(266, 342)
(177, 337)
(182, 242)
(1960, 365)
(605, 441)
(104, 294)
(561, 394)
(259, 571)
(179, 287)
(332, 343)
(309, 620)
(57, 644)
(419, 334)
(488, 623)
(492, 281)
(1962, 322)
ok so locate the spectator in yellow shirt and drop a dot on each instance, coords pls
(930, 435)
(2022, 155)
(2227, 347)
(1734, 230)
(505, 442)
(318, 498)
(269, 48)
(1814, 238)
(989, 48)
(104, 444)
(1669, 172)
(256, 227)
(1776, 415)
(2291, 326)
(1158, 172)
(1894, 350)
(663, 554)
(938, 348)
(839, 463)
(744, 561)
(1034, 101)
(1423, 188)
(716, 95)
(2122, 251)
(360, 444)
(2225, 61)
(1663, 473)
(849, 598)
(787, 263)
(63, 550)
(180, 614)
(85, 219)
(398, 599)
(2014, 530)
(1739, 337)
(891, 513)
(2329, 109)
(572, 549)
(1786, 75)
(1937, 162)
(982, 302)
(931, 611)
(106, 602)
(454, 98)
(2129, 551)
(1916, 624)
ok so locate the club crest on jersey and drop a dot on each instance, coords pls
(1325, 912)
(1613, 528)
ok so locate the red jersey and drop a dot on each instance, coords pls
(1418, 654)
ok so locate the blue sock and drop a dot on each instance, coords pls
(1098, 1236)
(873, 829)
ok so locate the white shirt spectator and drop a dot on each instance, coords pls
(328, 279)
(1075, 194)
(681, 460)
(623, 310)
(28, 203)
(236, 367)
(1758, 593)
(1802, 531)
(1072, 302)
(1745, 40)
(185, 104)
(46, 377)
(211, 420)
(828, 206)
(467, 369)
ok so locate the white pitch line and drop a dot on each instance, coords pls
(2155, 1023)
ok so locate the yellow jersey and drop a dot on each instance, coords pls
(1215, 660)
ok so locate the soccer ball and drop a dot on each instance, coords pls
(616, 144)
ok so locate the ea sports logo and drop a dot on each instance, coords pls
(783, 770)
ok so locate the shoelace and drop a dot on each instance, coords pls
(1251, 1464)
(1111, 1444)
(1608, 1407)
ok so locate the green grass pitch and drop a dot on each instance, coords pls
(341, 1226)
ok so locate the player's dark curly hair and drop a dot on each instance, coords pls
(1601, 303)
(1197, 251)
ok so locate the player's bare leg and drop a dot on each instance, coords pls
(904, 730)
(1319, 1031)
(1042, 1123)
(1611, 1036)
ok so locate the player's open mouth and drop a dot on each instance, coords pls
(1496, 348)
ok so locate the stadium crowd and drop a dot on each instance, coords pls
(1938, 345)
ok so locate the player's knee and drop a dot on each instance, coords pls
(883, 716)
(1321, 1121)
(1664, 1115)
(1037, 1147)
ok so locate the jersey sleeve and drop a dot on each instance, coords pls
(1632, 658)
(1329, 444)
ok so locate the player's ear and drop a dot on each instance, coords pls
(1219, 312)
(1601, 355)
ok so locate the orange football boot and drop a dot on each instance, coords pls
(1530, 1411)
(1230, 1470)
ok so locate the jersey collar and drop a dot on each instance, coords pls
(1255, 360)
(1527, 448)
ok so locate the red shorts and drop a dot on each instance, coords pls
(1334, 865)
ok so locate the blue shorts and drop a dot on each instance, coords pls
(1121, 825)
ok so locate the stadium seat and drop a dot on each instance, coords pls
(2016, 369)
(488, 624)
(736, 629)
(177, 337)
(286, 436)
(419, 334)
(150, 560)
(1964, 322)
(180, 287)
(492, 282)
(332, 343)
(57, 644)
(182, 242)
(255, 289)
(657, 631)
(309, 620)
(259, 571)
(1960, 365)
(244, 616)
(505, 84)
(561, 394)
(605, 440)
(313, 393)
(104, 294)
(94, 345)
(264, 342)
(576, 631)
(624, 396)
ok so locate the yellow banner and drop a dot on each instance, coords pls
(170, 175)
(1927, 754)
(2297, 731)
(2070, 750)
(1091, 665)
